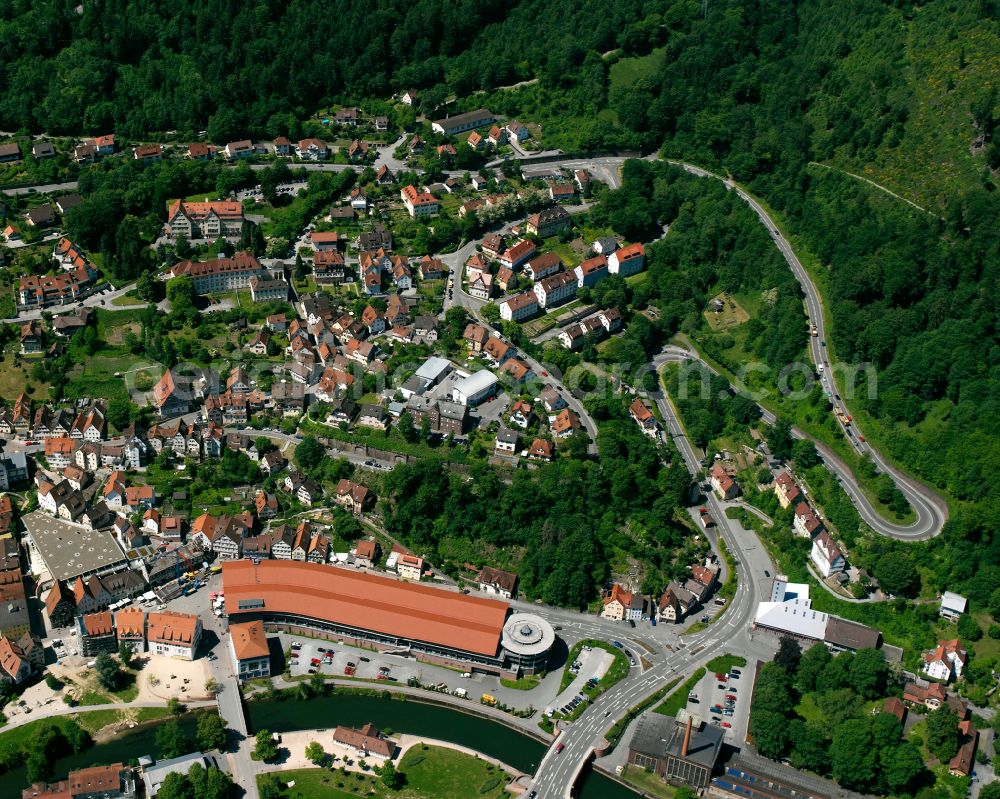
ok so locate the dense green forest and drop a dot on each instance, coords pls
(256, 68)
(811, 708)
(563, 522)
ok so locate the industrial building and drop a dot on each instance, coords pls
(475, 388)
(433, 625)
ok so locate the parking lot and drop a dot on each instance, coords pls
(724, 702)
(331, 659)
(590, 667)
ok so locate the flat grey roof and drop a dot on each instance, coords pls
(433, 368)
(69, 550)
(659, 735)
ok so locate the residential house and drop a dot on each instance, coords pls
(497, 582)
(357, 150)
(622, 605)
(199, 151)
(312, 150)
(32, 341)
(786, 490)
(827, 555)
(481, 286)
(493, 244)
(555, 289)
(506, 442)
(410, 567)
(931, 696)
(41, 150)
(561, 192)
(591, 271)
(547, 223)
(723, 483)
(353, 497)
(249, 648)
(346, 116)
(643, 417)
(148, 153)
(238, 150)
(806, 523)
(431, 268)
(367, 553)
(265, 505)
(476, 337)
(566, 423)
(518, 131)
(105, 144)
(309, 493)
(517, 254)
(419, 204)
(541, 449)
(173, 634)
(946, 661)
(952, 605)
(521, 414)
(97, 633)
(519, 307)
(497, 136)
(627, 261)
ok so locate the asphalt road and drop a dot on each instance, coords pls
(557, 772)
(930, 509)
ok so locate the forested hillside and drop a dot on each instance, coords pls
(254, 68)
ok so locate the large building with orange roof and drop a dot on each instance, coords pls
(433, 624)
(205, 220)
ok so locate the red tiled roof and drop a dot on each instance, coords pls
(381, 604)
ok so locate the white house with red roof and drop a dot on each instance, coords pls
(945, 661)
(827, 555)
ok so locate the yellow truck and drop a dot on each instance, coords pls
(488, 699)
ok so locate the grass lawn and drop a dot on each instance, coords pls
(615, 672)
(431, 772)
(724, 663)
(14, 380)
(627, 71)
(648, 783)
(526, 683)
(678, 698)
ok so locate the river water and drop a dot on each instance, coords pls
(416, 718)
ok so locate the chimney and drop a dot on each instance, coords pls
(687, 737)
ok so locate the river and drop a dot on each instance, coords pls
(417, 718)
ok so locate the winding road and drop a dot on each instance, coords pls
(930, 509)
(557, 772)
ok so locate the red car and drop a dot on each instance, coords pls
(731, 696)
(726, 724)
(861, 438)
(720, 677)
(560, 747)
(314, 661)
(349, 671)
